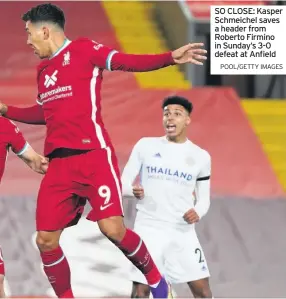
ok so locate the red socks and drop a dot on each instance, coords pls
(136, 251)
(57, 270)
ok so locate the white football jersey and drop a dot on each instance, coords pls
(169, 173)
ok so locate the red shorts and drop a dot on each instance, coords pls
(2, 266)
(70, 181)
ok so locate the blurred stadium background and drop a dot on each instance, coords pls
(240, 120)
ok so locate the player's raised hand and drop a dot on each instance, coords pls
(190, 53)
(3, 108)
(138, 191)
(191, 216)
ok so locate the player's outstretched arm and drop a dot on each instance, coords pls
(191, 53)
(131, 171)
(31, 115)
(107, 58)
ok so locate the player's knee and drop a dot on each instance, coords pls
(113, 228)
(47, 241)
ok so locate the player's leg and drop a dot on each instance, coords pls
(56, 209)
(2, 291)
(134, 248)
(55, 264)
(140, 290)
(186, 263)
(152, 237)
(2, 275)
(200, 288)
(105, 199)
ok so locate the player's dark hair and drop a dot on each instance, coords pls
(45, 13)
(177, 100)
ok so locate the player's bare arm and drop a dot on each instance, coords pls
(190, 53)
(35, 161)
(13, 138)
(22, 148)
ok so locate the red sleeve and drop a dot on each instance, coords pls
(32, 115)
(10, 137)
(140, 63)
(107, 58)
(16, 139)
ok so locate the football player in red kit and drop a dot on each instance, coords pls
(11, 137)
(82, 161)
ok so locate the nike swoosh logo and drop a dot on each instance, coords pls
(105, 207)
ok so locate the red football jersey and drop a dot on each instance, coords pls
(69, 87)
(10, 136)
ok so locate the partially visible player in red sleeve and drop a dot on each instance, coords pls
(83, 164)
(11, 137)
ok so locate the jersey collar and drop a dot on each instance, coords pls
(65, 44)
(167, 141)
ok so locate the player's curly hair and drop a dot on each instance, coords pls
(45, 13)
(177, 100)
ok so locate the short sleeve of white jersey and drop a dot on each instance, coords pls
(206, 168)
(132, 169)
(202, 189)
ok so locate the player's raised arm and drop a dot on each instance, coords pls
(202, 189)
(112, 60)
(31, 115)
(131, 170)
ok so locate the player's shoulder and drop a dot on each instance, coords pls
(82, 42)
(199, 151)
(83, 45)
(5, 124)
(4, 121)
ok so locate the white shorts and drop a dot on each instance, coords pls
(176, 252)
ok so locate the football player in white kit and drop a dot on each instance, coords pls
(172, 170)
